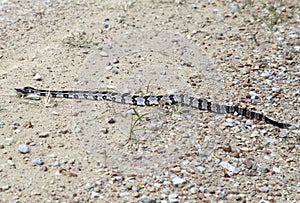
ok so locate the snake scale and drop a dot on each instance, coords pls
(151, 101)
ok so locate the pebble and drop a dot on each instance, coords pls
(176, 116)
(77, 130)
(264, 169)
(276, 170)
(178, 181)
(176, 169)
(282, 134)
(5, 187)
(123, 194)
(193, 190)
(271, 140)
(11, 163)
(44, 134)
(228, 123)
(23, 149)
(202, 189)
(37, 77)
(229, 167)
(254, 95)
(254, 134)
(109, 67)
(234, 7)
(95, 194)
(201, 169)
(167, 182)
(105, 25)
(89, 186)
(249, 164)
(264, 201)
(265, 189)
(103, 54)
(249, 122)
(173, 197)
(37, 161)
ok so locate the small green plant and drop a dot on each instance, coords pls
(133, 125)
(274, 17)
(271, 15)
(80, 39)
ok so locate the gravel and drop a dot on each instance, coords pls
(230, 53)
(23, 149)
(37, 161)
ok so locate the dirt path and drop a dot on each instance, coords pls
(239, 53)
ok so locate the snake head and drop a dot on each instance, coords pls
(25, 90)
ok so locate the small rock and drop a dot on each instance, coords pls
(23, 149)
(265, 189)
(176, 169)
(44, 134)
(249, 164)
(37, 77)
(135, 189)
(97, 189)
(173, 198)
(276, 170)
(266, 74)
(229, 167)
(44, 168)
(234, 7)
(227, 148)
(190, 170)
(105, 25)
(194, 190)
(254, 134)
(5, 187)
(103, 54)
(95, 194)
(264, 169)
(178, 181)
(271, 140)
(176, 116)
(89, 186)
(11, 163)
(254, 95)
(211, 189)
(128, 185)
(283, 134)
(276, 89)
(228, 123)
(202, 189)
(167, 182)
(249, 122)
(108, 67)
(201, 169)
(37, 161)
(77, 130)
(123, 194)
(17, 131)
(264, 201)
(103, 130)
(111, 121)
(115, 61)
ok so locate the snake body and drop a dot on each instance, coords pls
(151, 101)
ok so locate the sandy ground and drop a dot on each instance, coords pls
(230, 52)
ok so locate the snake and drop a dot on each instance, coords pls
(149, 100)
